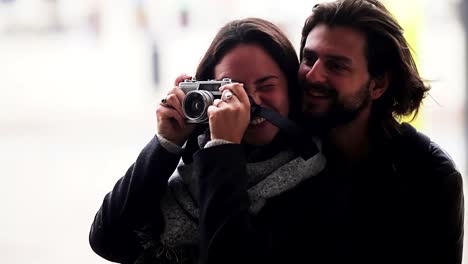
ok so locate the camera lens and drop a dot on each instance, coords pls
(195, 105)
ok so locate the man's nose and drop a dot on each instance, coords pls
(316, 73)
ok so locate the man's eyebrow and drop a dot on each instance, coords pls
(339, 58)
(308, 52)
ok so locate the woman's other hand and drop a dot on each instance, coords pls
(170, 117)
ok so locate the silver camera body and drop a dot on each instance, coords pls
(198, 96)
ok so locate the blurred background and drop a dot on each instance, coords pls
(80, 82)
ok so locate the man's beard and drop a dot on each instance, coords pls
(340, 111)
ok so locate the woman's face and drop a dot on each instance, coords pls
(263, 80)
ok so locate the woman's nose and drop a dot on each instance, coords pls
(256, 97)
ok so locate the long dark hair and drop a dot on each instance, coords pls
(387, 52)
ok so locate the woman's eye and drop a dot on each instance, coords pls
(264, 88)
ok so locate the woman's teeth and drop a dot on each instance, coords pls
(257, 120)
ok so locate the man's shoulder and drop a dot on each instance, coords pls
(409, 140)
(419, 149)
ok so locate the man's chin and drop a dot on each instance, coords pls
(316, 125)
(321, 124)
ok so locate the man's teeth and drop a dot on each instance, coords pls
(317, 94)
(257, 120)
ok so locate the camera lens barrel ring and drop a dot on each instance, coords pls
(195, 105)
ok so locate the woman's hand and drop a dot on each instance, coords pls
(171, 118)
(229, 117)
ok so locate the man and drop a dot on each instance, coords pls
(389, 195)
(403, 192)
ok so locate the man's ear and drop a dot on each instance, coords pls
(379, 85)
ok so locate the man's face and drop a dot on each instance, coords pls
(334, 76)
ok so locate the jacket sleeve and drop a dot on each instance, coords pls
(454, 200)
(440, 235)
(132, 202)
(228, 230)
(450, 208)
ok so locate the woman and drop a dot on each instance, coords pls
(149, 218)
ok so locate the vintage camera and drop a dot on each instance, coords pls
(198, 96)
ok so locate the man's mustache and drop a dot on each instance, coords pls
(320, 88)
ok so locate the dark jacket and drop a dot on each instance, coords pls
(133, 203)
(404, 204)
(148, 219)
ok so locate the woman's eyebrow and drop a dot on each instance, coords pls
(266, 78)
(236, 81)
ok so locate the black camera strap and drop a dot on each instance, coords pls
(301, 142)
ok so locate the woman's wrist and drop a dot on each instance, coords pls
(217, 142)
(169, 145)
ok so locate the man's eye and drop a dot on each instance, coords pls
(336, 66)
(309, 60)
